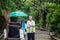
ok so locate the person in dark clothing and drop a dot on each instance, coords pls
(14, 29)
(31, 29)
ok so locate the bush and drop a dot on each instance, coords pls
(53, 19)
(41, 23)
(58, 30)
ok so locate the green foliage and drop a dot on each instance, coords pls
(41, 23)
(8, 5)
(50, 4)
(53, 15)
(58, 30)
(53, 18)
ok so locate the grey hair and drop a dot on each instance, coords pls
(30, 16)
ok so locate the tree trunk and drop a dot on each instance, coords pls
(5, 13)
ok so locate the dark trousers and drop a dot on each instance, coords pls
(31, 36)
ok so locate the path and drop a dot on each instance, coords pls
(42, 35)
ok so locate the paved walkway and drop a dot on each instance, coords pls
(41, 35)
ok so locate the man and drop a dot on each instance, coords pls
(31, 29)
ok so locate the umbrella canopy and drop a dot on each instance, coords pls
(17, 13)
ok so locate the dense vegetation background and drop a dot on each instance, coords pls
(46, 13)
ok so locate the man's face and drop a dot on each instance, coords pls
(30, 17)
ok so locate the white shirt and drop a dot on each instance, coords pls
(30, 24)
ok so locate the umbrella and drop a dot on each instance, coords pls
(17, 13)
